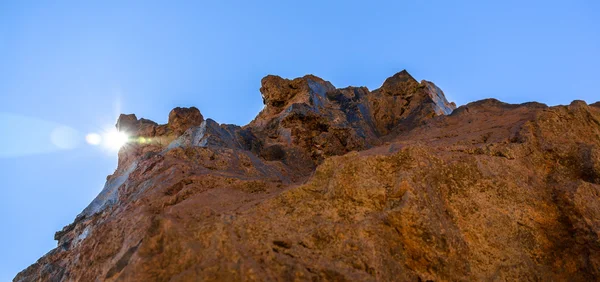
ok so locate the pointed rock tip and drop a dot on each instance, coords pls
(401, 76)
(401, 83)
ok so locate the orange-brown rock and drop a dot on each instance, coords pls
(347, 184)
(180, 119)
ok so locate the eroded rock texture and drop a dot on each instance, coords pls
(346, 184)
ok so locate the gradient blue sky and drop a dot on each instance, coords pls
(80, 63)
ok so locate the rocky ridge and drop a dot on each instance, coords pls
(328, 184)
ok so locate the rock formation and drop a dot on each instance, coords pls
(329, 184)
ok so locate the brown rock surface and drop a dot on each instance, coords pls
(180, 119)
(346, 184)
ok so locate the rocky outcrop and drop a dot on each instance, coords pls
(311, 114)
(328, 184)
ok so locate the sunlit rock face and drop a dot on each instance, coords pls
(441, 106)
(346, 184)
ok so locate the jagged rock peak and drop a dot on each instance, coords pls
(400, 84)
(310, 113)
(401, 76)
(278, 92)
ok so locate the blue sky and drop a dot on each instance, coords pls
(77, 64)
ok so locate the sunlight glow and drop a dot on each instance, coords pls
(93, 139)
(114, 139)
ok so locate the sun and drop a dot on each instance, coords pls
(114, 139)
(111, 139)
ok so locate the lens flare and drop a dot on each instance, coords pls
(65, 137)
(93, 139)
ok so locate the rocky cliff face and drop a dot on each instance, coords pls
(346, 184)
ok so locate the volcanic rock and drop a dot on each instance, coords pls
(346, 184)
